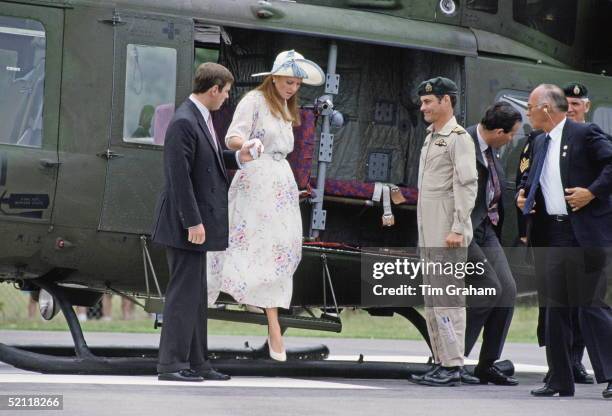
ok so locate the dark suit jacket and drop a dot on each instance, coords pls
(587, 164)
(479, 213)
(195, 184)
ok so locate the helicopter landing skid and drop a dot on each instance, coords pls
(248, 361)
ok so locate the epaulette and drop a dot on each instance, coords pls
(459, 130)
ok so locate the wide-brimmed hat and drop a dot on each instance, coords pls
(292, 64)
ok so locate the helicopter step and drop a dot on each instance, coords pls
(324, 323)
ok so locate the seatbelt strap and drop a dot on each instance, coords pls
(380, 189)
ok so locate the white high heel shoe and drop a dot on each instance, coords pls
(277, 356)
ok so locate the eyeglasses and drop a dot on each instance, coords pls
(530, 107)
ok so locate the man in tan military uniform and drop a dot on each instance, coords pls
(448, 182)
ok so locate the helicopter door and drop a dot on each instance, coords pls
(153, 63)
(30, 65)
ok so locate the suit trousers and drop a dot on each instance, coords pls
(575, 284)
(492, 314)
(183, 342)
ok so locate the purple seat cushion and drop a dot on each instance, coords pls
(362, 190)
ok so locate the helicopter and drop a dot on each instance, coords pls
(90, 86)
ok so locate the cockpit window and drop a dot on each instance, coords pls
(554, 18)
(22, 81)
(150, 93)
(487, 6)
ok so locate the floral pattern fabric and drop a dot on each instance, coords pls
(265, 226)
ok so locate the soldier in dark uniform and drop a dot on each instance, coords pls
(577, 101)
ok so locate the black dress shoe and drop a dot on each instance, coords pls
(442, 377)
(212, 374)
(493, 375)
(467, 378)
(607, 393)
(548, 391)
(415, 378)
(580, 374)
(181, 375)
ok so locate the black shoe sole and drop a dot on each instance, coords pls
(187, 380)
(218, 379)
(498, 384)
(584, 381)
(560, 394)
(471, 383)
(430, 384)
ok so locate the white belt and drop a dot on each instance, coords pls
(277, 156)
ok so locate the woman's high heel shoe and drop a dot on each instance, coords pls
(277, 356)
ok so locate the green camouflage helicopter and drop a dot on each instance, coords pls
(88, 88)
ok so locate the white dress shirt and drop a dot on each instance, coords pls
(206, 113)
(483, 146)
(550, 180)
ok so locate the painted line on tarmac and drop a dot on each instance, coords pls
(248, 382)
(518, 367)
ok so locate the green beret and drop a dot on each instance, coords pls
(576, 90)
(437, 86)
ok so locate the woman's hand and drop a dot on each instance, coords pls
(250, 150)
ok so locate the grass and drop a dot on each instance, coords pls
(356, 323)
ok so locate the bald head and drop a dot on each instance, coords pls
(546, 107)
(553, 96)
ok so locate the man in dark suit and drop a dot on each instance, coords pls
(491, 314)
(191, 218)
(578, 106)
(568, 194)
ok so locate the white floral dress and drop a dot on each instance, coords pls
(265, 225)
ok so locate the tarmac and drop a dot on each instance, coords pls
(145, 395)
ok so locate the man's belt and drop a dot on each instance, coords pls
(558, 218)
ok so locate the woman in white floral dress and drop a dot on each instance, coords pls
(265, 226)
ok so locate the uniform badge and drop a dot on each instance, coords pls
(440, 142)
(428, 87)
(524, 164)
(576, 90)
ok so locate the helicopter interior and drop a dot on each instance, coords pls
(380, 138)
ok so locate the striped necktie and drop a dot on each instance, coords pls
(494, 190)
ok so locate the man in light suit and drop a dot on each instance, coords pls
(492, 315)
(567, 192)
(191, 218)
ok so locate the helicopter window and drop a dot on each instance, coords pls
(150, 93)
(602, 116)
(487, 6)
(554, 18)
(22, 79)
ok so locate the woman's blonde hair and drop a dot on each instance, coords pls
(276, 103)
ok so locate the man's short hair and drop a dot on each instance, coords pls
(210, 74)
(453, 99)
(501, 115)
(554, 96)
